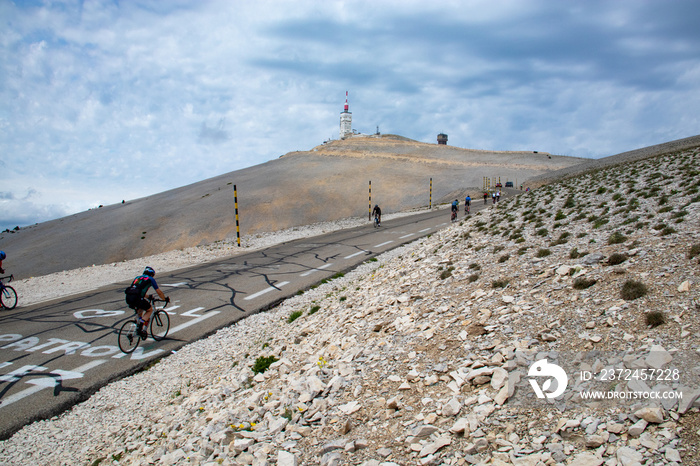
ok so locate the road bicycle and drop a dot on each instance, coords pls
(376, 221)
(8, 295)
(467, 209)
(129, 335)
(454, 215)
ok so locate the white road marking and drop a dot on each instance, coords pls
(383, 244)
(266, 290)
(406, 236)
(356, 254)
(317, 269)
(193, 321)
(47, 382)
(424, 230)
(92, 313)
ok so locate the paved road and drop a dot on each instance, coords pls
(55, 354)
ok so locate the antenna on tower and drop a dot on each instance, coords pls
(346, 120)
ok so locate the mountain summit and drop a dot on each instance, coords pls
(327, 183)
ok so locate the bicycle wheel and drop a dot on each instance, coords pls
(160, 325)
(128, 337)
(8, 297)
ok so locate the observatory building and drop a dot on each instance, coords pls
(345, 120)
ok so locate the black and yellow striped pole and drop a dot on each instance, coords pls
(369, 216)
(238, 227)
(430, 205)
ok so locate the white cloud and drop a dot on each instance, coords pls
(89, 90)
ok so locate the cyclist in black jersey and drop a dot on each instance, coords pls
(136, 296)
(377, 213)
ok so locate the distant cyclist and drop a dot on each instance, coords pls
(136, 296)
(467, 204)
(2, 258)
(377, 213)
(455, 208)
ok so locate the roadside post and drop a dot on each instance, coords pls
(235, 203)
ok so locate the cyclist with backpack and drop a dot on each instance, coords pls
(136, 297)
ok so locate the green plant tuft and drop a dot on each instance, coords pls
(501, 283)
(617, 238)
(632, 290)
(262, 364)
(294, 316)
(655, 318)
(581, 283)
(694, 251)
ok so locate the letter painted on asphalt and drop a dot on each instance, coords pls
(138, 354)
(22, 344)
(52, 341)
(69, 348)
(16, 374)
(92, 313)
(51, 381)
(97, 351)
(10, 337)
(192, 312)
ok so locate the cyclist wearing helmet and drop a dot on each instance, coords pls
(136, 296)
(377, 212)
(2, 258)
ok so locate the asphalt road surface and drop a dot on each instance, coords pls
(56, 354)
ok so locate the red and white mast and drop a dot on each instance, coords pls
(346, 120)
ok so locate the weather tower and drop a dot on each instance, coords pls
(345, 120)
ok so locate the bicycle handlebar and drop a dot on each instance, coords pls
(11, 277)
(158, 300)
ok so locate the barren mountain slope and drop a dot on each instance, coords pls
(426, 355)
(606, 162)
(327, 183)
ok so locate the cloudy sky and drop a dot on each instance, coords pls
(108, 100)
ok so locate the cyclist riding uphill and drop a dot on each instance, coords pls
(467, 200)
(2, 258)
(136, 296)
(455, 206)
(377, 212)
